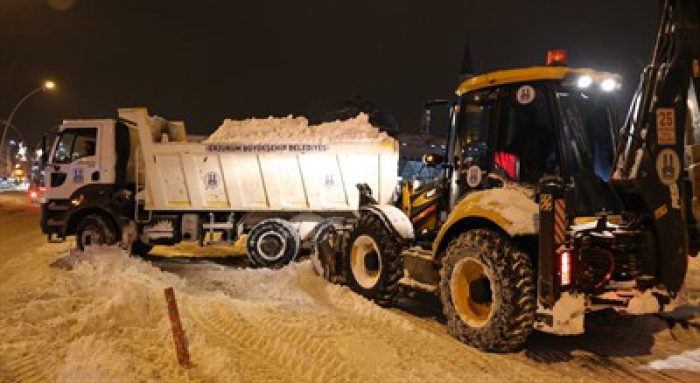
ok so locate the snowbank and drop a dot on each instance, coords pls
(688, 361)
(106, 320)
(296, 130)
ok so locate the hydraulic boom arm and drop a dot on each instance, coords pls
(650, 171)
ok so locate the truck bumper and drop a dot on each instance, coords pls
(54, 217)
(44, 218)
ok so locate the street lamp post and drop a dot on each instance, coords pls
(46, 86)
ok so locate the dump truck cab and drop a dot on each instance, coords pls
(86, 173)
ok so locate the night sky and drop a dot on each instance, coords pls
(203, 61)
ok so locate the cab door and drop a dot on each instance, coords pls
(74, 162)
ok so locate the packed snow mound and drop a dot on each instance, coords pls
(297, 130)
(513, 203)
(688, 360)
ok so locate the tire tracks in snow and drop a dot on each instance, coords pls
(290, 351)
(29, 366)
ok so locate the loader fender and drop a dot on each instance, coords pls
(511, 210)
(393, 218)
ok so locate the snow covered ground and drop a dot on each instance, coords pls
(106, 320)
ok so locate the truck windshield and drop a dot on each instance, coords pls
(588, 128)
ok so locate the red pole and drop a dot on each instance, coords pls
(183, 356)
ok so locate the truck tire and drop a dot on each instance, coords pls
(325, 250)
(140, 249)
(95, 230)
(373, 261)
(273, 243)
(487, 291)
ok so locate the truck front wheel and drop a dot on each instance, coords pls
(95, 230)
(487, 291)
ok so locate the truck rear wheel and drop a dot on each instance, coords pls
(326, 250)
(273, 243)
(373, 263)
(487, 291)
(95, 230)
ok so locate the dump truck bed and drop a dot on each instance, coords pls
(282, 171)
(232, 178)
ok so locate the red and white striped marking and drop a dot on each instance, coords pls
(559, 221)
(183, 355)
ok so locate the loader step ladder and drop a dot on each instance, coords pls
(417, 258)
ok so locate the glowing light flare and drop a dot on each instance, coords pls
(565, 268)
(49, 85)
(557, 57)
(608, 85)
(584, 82)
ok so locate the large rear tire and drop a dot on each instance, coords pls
(373, 261)
(487, 291)
(95, 230)
(273, 243)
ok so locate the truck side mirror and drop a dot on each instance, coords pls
(44, 156)
(427, 114)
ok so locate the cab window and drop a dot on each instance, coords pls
(525, 147)
(74, 144)
(476, 122)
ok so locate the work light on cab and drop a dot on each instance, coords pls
(584, 82)
(609, 85)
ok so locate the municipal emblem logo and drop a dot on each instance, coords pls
(211, 180)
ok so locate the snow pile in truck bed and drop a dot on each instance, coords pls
(296, 130)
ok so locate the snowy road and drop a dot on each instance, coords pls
(106, 320)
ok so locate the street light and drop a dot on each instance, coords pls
(46, 86)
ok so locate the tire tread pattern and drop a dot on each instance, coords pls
(388, 288)
(514, 293)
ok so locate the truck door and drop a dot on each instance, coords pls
(74, 163)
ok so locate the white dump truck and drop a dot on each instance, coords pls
(137, 181)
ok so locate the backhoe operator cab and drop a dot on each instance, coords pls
(522, 229)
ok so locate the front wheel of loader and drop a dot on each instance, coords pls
(487, 291)
(273, 243)
(373, 261)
